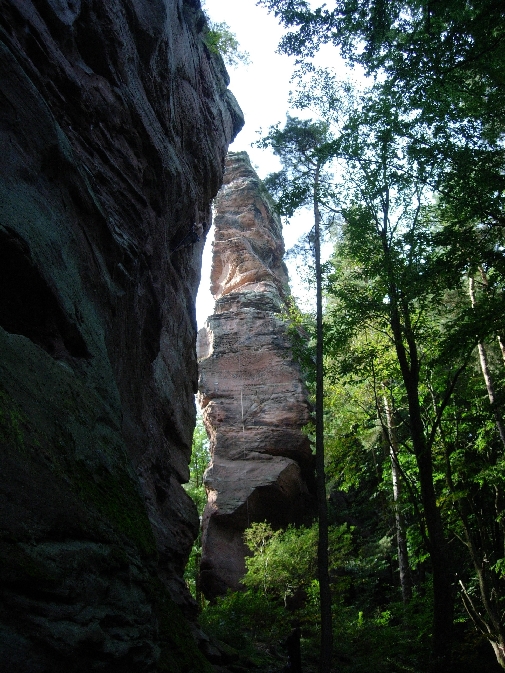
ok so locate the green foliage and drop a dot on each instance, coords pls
(285, 561)
(200, 457)
(397, 287)
(383, 640)
(221, 40)
(446, 65)
(301, 331)
(413, 172)
(243, 620)
(304, 147)
(447, 58)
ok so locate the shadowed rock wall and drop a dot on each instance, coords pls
(251, 392)
(114, 124)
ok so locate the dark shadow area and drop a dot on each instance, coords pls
(29, 307)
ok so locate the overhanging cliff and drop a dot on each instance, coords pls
(251, 391)
(114, 123)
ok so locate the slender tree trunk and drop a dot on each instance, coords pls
(401, 542)
(443, 600)
(408, 359)
(486, 372)
(491, 625)
(488, 379)
(501, 341)
(322, 508)
(502, 346)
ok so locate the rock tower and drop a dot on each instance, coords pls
(250, 388)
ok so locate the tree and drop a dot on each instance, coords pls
(484, 365)
(361, 419)
(305, 148)
(401, 539)
(195, 488)
(220, 39)
(447, 58)
(283, 562)
(393, 281)
(485, 541)
(444, 62)
(380, 258)
(200, 458)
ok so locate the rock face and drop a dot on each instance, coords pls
(114, 123)
(251, 392)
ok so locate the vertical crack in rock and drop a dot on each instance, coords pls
(250, 388)
(115, 120)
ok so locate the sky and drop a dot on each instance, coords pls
(262, 91)
(262, 87)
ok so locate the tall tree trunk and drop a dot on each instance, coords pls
(502, 346)
(408, 359)
(486, 372)
(322, 508)
(443, 600)
(485, 282)
(401, 542)
(491, 624)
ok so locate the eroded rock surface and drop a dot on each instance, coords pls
(114, 123)
(251, 392)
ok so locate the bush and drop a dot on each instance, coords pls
(245, 619)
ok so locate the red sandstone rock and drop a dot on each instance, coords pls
(114, 123)
(251, 392)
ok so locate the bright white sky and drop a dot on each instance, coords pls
(261, 88)
(262, 91)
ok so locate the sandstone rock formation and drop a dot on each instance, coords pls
(251, 392)
(114, 123)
